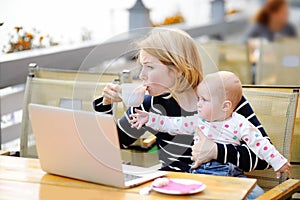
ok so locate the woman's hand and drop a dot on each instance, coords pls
(204, 150)
(284, 169)
(139, 118)
(110, 94)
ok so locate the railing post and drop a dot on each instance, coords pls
(217, 10)
(32, 67)
(126, 76)
(0, 125)
(217, 15)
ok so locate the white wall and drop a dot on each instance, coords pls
(64, 19)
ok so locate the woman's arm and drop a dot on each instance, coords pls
(127, 135)
(241, 155)
(100, 107)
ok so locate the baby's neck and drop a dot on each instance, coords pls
(224, 117)
(228, 115)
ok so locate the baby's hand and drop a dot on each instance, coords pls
(284, 169)
(138, 119)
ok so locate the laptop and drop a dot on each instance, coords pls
(83, 145)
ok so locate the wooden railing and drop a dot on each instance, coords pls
(11, 102)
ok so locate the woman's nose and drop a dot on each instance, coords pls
(143, 75)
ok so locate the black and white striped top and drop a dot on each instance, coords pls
(175, 151)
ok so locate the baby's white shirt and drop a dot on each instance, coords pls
(230, 131)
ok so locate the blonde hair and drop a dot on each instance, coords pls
(177, 50)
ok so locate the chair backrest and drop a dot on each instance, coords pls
(295, 157)
(276, 111)
(230, 57)
(279, 63)
(74, 75)
(70, 89)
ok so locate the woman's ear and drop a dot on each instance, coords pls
(226, 106)
(179, 72)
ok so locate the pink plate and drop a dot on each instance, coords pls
(179, 186)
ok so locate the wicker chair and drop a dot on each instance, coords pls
(295, 157)
(279, 63)
(230, 57)
(277, 112)
(69, 89)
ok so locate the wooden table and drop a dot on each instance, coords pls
(22, 178)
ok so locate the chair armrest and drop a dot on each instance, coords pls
(283, 190)
(149, 141)
(4, 153)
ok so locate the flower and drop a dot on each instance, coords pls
(20, 42)
(18, 28)
(29, 35)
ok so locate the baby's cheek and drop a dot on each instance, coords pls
(207, 114)
(204, 116)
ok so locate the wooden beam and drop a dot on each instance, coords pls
(4, 153)
(283, 190)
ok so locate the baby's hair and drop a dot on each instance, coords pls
(233, 88)
(227, 84)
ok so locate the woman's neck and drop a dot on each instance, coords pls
(274, 26)
(187, 100)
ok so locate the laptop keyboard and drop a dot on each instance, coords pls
(129, 177)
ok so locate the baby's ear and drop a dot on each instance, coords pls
(226, 105)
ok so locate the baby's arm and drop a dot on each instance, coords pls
(172, 125)
(139, 118)
(262, 147)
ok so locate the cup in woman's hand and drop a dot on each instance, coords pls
(132, 94)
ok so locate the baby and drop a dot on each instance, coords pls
(218, 95)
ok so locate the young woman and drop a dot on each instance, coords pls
(171, 70)
(271, 21)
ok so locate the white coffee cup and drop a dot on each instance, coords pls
(132, 94)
